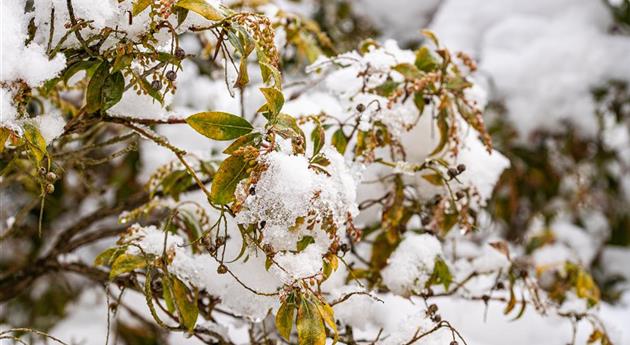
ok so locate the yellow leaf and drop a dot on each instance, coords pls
(310, 326)
(202, 8)
(328, 315)
(284, 319)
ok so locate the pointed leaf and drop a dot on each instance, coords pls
(284, 319)
(275, 100)
(219, 125)
(230, 173)
(185, 303)
(202, 8)
(310, 325)
(125, 263)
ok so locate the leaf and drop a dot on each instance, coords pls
(219, 125)
(230, 173)
(122, 61)
(502, 247)
(284, 319)
(253, 139)
(75, 68)
(185, 304)
(175, 183)
(339, 141)
(275, 100)
(94, 95)
(408, 70)
(113, 89)
(434, 179)
(430, 35)
(108, 256)
(125, 263)
(318, 137)
(328, 315)
(139, 6)
(304, 242)
(268, 71)
(310, 326)
(441, 274)
(202, 8)
(425, 61)
(418, 100)
(167, 294)
(36, 142)
(4, 135)
(443, 127)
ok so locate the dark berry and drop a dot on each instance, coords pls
(156, 85)
(427, 100)
(360, 107)
(180, 53)
(344, 247)
(426, 220)
(171, 75)
(436, 318)
(452, 172)
(461, 168)
(252, 190)
(460, 194)
(433, 308)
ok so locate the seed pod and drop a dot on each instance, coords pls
(433, 308)
(360, 107)
(50, 188)
(180, 53)
(461, 168)
(436, 318)
(460, 194)
(51, 176)
(452, 172)
(156, 84)
(222, 269)
(171, 75)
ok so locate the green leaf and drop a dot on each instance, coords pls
(318, 137)
(139, 6)
(108, 256)
(167, 294)
(230, 173)
(4, 135)
(304, 242)
(441, 274)
(122, 61)
(418, 100)
(94, 94)
(425, 60)
(75, 68)
(310, 326)
(339, 141)
(113, 89)
(275, 100)
(219, 125)
(186, 304)
(284, 319)
(253, 139)
(36, 142)
(408, 70)
(268, 72)
(125, 263)
(175, 183)
(202, 8)
(443, 127)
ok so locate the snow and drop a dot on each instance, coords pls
(411, 264)
(50, 126)
(15, 55)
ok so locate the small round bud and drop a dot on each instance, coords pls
(500, 286)
(452, 172)
(222, 269)
(433, 308)
(156, 85)
(344, 247)
(51, 176)
(171, 75)
(50, 188)
(461, 168)
(436, 318)
(360, 107)
(180, 53)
